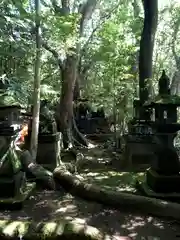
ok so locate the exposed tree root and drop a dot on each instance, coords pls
(122, 201)
(41, 174)
(82, 140)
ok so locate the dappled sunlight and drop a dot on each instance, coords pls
(135, 226)
(117, 181)
(89, 158)
(90, 145)
(58, 207)
(13, 228)
(98, 171)
(85, 72)
(48, 230)
(164, 203)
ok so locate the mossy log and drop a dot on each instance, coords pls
(118, 200)
(49, 230)
(40, 174)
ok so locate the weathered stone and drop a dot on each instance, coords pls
(49, 149)
(164, 174)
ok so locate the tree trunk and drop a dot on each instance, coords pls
(146, 47)
(79, 137)
(37, 79)
(77, 94)
(119, 200)
(66, 101)
(175, 83)
(69, 68)
(79, 78)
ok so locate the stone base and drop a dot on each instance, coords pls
(136, 153)
(163, 183)
(11, 186)
(16, 202)
(49, 149)
(147, 191)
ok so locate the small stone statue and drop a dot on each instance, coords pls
(47, 121)
(164, 84)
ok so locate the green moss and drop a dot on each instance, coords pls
(112, 180)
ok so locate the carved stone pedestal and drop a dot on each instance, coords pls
(138, 154)
(163, 183)
(138, 150)
(160, 186)
(49, 149)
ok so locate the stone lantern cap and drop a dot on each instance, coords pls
(163, 100)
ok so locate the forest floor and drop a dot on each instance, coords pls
(49, 205)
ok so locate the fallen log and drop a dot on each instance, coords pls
(11, 230)
(41, 175)
(118, 200)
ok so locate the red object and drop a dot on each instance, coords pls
(23, 133)
(22, 138)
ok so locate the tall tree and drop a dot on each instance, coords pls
(146, 47)
(69, 66)
(175, 84)
(37, 80)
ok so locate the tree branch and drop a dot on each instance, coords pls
(136, 8)
(54, 53)
(86, 9)
(174, 37)
(64, 10)
(101, 21)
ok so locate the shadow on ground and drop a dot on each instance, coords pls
(54, 206)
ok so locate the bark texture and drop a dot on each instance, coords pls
(70, 67)
(113, 199)
(41, 175)
(146, 47)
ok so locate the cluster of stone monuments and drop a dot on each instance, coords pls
(152, 140)
(90, 122)
(149, 139)
(15, 183)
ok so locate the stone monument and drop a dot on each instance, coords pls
(14, 188)
(139, 143)
(49, 140)
(163, 177)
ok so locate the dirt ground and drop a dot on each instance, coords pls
(49, 205)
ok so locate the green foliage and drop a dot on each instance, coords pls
(61, 30)
(109, 60)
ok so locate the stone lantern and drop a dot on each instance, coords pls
(163, 177)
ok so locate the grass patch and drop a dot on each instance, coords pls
(112, 180)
